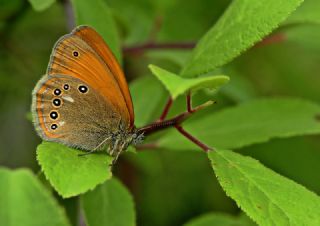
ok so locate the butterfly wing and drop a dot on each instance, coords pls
(92, 38)
(69, 111)
(84, 55)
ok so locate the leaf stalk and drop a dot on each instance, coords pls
(176, 121)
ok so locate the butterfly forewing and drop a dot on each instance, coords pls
(74, 57)
(92, 38)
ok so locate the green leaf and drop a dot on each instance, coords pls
(97, 14)
(268, 198)
(145, 110)
(221, 219)
(308, 12)
(185, 179)
(276, 69)
(40, 5)
(109, 204)
(286, 157)
(69, 173)
(252, 122)
(24, 201)
(243, 24)
(177, 85)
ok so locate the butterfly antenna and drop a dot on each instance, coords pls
(99, 145)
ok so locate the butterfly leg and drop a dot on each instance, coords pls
(113, 148)
(105, 140)
(96, 148)
(117, 150)
(115, 158)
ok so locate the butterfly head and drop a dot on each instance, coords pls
(122, 139)
(125, 137)
(137, 138)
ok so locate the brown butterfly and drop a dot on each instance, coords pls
(83, 101)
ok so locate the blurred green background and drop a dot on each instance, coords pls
(169, 188)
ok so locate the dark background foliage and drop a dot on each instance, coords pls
(169, 188)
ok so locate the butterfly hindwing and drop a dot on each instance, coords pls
(68, 110)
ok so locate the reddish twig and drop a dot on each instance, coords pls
(176, 122)
(193, 139)
(166, 109)
(189, 103)
(271, 39)
(157, 126)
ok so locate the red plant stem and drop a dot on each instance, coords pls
(177, 120)
(157, 126)
(189, 103)
(166, 109)
(193, 139)
(271, 39)
(151, 45)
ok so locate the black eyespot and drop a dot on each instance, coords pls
(57, 92)
(56, 102)
(75, 53)
(54, 126)
(54, 115)
(66, 86)
(83, 89)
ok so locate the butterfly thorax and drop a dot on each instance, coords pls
(121, 139)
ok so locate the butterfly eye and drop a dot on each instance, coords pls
(57, 92)
(83, 89)
(66, 86)
(75, 53)
(54, 115)
(54, 126)
(56, 102)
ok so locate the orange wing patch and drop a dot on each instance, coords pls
(39, 109)
(92, 38)
(73, 56)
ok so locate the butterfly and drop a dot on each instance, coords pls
(83, 100)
